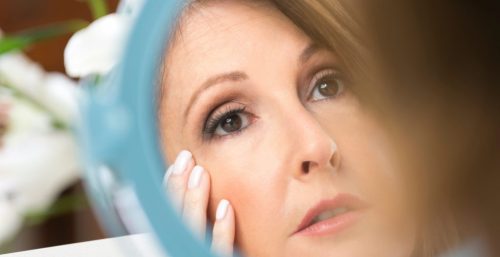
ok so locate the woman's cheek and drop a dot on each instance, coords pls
(238, 173)
(227, 170)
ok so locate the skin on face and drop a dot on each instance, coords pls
(295, 147)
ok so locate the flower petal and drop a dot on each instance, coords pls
(61, 96)
(97, 48)
(41, 166)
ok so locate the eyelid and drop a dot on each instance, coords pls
(316, 77)
(220, 111)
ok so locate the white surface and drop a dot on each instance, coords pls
(128, 246)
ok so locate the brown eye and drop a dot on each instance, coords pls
(232, 123)
(326, 85)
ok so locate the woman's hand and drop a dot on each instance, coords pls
(188, 186)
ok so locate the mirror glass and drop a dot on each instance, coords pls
(270, 150)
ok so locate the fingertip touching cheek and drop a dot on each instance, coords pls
(269, 114)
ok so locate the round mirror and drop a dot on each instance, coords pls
(239, 115)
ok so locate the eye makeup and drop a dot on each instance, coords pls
(312, 72)
(326, 84)
(227, 116)
(214, 119)
(224, 112)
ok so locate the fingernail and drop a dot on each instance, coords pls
(222, 209)
(181, 162)
(195, 177)
(167, 174)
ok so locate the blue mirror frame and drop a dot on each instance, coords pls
(119, 131)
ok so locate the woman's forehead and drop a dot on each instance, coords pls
(222, 25)
(228, 36)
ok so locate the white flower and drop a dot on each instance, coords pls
(97, 48)
(39, 166)
(37, 161)
(23, 118)
(19, 71)
(54, 91)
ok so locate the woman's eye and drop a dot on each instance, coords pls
(326, 85)
(232, 123)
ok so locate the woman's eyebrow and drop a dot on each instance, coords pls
(233, 76)
(308, 52)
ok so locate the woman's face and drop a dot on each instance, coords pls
(271, 117)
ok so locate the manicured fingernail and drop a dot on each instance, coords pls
(167, 174)
(181, 162)
(222, 209)
(195, 177)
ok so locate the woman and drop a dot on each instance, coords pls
(438, 63)
(273, 145)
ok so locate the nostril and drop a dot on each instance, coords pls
(305, 167)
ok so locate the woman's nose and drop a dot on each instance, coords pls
(317, 157)
(313, 148)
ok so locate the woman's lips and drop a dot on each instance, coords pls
(330, 216)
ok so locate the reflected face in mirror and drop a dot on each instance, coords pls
(269, 114)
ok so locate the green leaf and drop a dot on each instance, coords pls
(98, 8)
(29, 37)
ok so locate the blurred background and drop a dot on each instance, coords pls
(26, 147)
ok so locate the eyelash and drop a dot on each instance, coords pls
(214, 120)
(318, 76)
